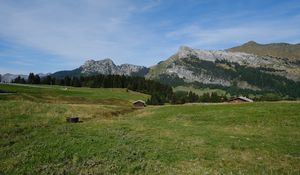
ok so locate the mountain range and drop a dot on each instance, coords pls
(250, 66)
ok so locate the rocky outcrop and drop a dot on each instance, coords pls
(105, 67)
(190, 76)
(133, 70)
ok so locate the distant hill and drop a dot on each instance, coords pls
(280, 50)
(70, 73)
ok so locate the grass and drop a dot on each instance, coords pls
(256, 138)
(60, 94)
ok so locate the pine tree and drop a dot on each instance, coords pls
(37, 79)
(75, 82)
(17, 80)
(67, 81)
(31, 78)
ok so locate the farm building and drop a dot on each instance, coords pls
(240, 100)
(139, 104)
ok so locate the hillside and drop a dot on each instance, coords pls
(113, 138)
(227, 69)
(278, 50)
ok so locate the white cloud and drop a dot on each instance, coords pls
(75, 29)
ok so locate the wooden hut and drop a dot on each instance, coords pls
(240, 100)
(139, 104)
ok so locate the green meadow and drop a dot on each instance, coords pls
(114, 138)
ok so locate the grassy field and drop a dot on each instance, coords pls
(256, 138)
(61, 94)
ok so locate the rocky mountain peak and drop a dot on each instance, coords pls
(186, 52)
(89, 62)
(107, 60)
(184, 48)
(107, 66)
(251, 43)
(104, 61)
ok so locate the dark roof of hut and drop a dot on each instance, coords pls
(141, 101)
(242, 98)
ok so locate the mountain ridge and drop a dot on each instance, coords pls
(281, 67)
(278, 50)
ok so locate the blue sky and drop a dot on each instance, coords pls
(47, 36)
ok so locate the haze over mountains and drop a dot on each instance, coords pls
(234, 66)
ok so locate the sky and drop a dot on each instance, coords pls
(43, 36)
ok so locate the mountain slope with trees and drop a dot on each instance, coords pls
(236, 73)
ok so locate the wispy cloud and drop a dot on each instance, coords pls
(73, 32)
(141, 32)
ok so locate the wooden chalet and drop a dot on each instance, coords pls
(139, 104)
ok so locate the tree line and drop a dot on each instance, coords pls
(181, 97)
(160, 93)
